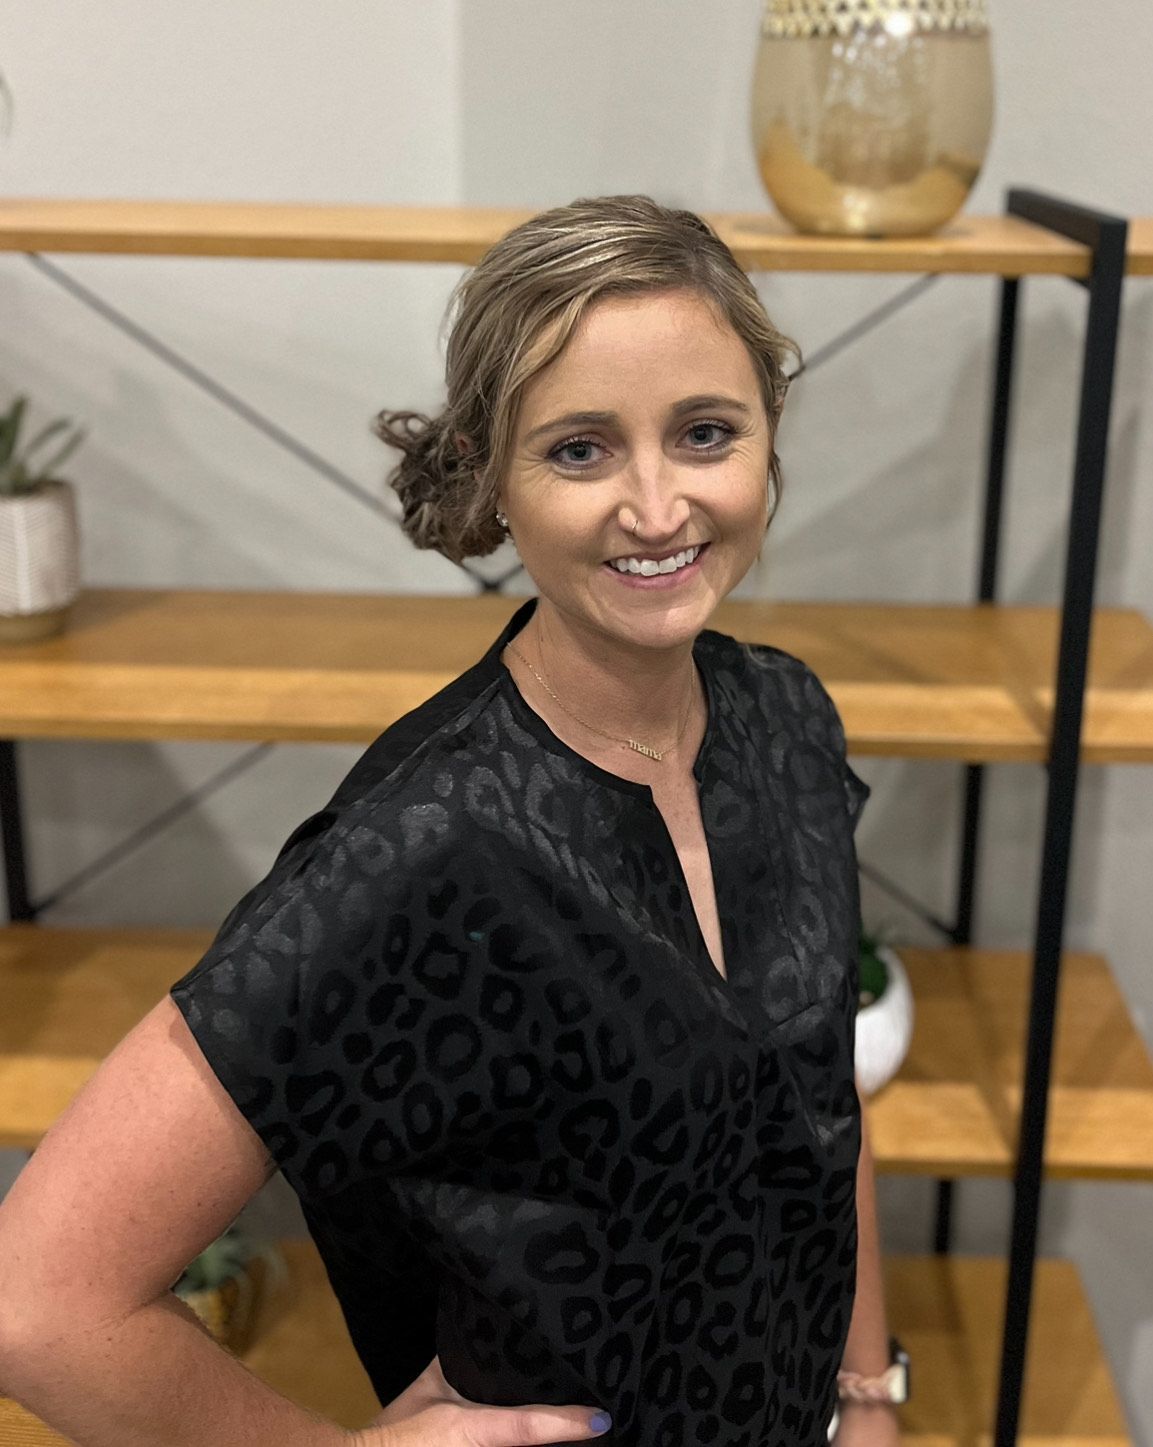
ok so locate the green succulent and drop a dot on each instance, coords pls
(874, 973)
(18, 474)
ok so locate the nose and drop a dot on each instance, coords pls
(652, 497)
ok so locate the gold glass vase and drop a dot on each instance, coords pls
(872, 117)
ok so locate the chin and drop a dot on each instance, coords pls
(669, 626)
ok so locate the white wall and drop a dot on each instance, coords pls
(511, 101)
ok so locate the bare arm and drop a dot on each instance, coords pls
(867, 1344)
(147, 1166)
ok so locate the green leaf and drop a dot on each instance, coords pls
(43, 435)
(10, 429)
(54, 462)
(873, 972)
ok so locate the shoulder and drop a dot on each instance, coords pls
(790, 707)
(783, 688)
(397, 812)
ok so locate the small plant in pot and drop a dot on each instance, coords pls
(885, 1014)
(39, 536)
(228, 1284)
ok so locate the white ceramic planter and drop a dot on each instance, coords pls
(885, 1028)
(39, 560)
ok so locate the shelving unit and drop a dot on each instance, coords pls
(1004, 1078)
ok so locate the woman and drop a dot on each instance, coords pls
(548, 1016)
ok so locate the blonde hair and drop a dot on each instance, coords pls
(514, 313)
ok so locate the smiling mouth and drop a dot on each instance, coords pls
(651, 564)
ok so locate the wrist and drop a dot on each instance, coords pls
(889, 1386)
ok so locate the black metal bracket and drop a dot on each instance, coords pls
(1105, 236)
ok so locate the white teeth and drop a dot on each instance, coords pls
(647, 568)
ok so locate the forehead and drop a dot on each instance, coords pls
(650, 347)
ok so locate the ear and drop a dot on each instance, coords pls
(461, 443)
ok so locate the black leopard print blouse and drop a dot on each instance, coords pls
(471, 1014)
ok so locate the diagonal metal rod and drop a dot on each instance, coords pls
(865, 325)
(895, 891)
(154, 826)
(227, 398)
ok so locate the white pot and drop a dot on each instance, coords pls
(885, 1028)
(39, 560)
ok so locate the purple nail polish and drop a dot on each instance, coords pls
(600, 1422)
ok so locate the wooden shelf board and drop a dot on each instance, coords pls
(955, 682)
(761, 241)
(68, 995)
(953, 1108)
(1140, 248)
(303, 1349)
(947, 1310)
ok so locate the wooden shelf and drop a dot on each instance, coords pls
(953, 1108)
(68, 995)
(304, 1351)
(946, 1310)
(985, 245)
(1140, 248)
(956, 682)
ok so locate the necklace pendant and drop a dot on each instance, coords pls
(644, 749)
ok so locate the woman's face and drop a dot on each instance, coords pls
(695, 472)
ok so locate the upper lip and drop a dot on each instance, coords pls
(656, 557)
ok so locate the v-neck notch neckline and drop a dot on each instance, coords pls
(540, 728)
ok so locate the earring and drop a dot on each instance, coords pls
(502, 520)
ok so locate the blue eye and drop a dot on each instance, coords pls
(723, 427)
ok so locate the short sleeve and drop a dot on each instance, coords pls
(832, 730)
(299, 1005)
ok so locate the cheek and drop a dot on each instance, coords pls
(747, 499)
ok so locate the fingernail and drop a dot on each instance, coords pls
(600, 1422)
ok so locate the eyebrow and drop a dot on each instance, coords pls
(596, 419)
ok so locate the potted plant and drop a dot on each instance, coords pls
(39, 536)
(885, 1014)
(228, 1284)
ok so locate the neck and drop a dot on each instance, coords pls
(622, 689)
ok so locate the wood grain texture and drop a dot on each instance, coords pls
(953, 1108)
(948, 1312)
(958, 682)
(1140, 247)
(761, 241)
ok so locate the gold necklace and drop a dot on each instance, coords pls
(646, 749)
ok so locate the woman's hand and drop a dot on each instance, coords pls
(432, 1413)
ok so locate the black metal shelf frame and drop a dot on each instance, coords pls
(1105, 236)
